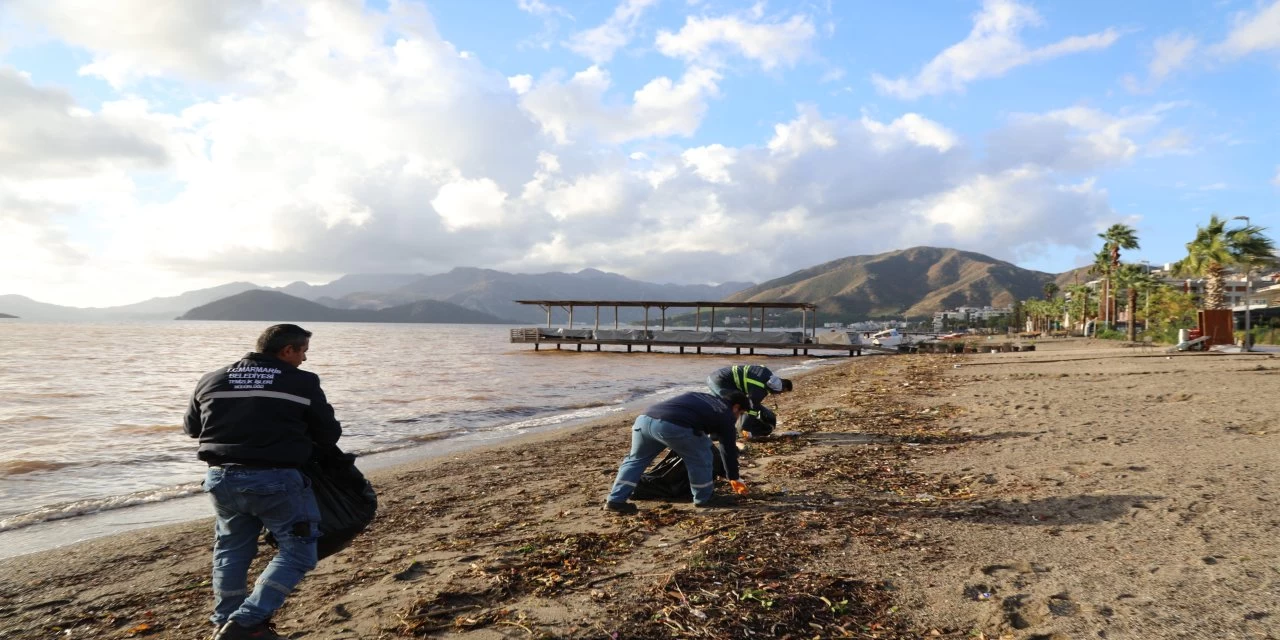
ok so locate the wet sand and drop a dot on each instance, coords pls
(1083, 490)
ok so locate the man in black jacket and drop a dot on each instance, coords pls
(682, 423)
(757, 382)
(257, 421)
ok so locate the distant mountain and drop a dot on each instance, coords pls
(273, 306)
(493, 292)
(29, 309)
(911, 283)
(5, 315)
(166, 307)
(349, 284)
(152, 309)
(1079, 275)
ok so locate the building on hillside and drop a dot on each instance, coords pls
(968, 316)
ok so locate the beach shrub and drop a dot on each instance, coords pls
(1111, 334)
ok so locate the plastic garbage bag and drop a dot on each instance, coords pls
(669, 479)
(346, 499)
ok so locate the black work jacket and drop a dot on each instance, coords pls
(260, 411)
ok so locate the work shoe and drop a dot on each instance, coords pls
(717, 502)
(621, 508)
(261, 631)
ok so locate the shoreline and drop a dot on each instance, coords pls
(1096, 492)
(65, 531)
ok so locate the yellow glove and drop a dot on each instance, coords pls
(739, 487)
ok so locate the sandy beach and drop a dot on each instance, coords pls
(1083, 490)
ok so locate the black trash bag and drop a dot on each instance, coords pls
(669, 479)
(347, 501)
(762, 426)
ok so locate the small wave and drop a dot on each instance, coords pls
(84, 507)
(56, 394)
(145, 429)
(590, 404)
(402, 400)
(437, 435)
(19, 467)
(559, 418)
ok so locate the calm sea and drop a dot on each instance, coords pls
(91, 414)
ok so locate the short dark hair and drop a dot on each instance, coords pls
(786, 385)
(737, 397)
(278, 336)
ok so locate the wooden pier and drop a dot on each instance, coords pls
(750, 338)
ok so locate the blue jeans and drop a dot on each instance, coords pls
(649, 437)
(246, 499)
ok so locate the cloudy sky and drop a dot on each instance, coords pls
(147, 148)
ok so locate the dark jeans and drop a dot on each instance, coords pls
(246, 499)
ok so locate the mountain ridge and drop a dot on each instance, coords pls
(912, 283)
(275, 306)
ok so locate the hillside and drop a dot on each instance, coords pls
(273, 306)
(5, 315)
(493, 292)
(913, 283)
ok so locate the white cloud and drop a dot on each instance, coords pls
(770, 44)
(660, 108)
(43, 132)
(599, 43)
(521, 83)
(1176, 142)
(1251, 33)
(470, 203)
(1080, 139)
(540, 8)
(133, 39)
(915, 128)
(1276, 180)
(992, 49)
(995, 209)
(711, 163)
(1169, 53)
(394, 153)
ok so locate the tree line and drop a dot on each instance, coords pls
(1217, 249)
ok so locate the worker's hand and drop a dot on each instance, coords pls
(739, 487)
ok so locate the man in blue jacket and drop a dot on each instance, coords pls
(257, 421)
(682, 424)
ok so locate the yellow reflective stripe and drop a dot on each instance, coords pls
(741, 379)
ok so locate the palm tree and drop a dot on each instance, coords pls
(1215, 250)
(1133, 278)
(1102, 267)
(1116, 237)
(1080, 302)
(1051, 289)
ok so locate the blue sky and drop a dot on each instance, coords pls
(150, 149)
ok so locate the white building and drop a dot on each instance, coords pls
(968, 315)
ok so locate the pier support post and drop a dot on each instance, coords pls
(681, 350)
(535, 346)
(737, 350)
(648, 348)
(557, 346)
(751, 350)
(795, 352)
(597, 346)
(699, 350)
(628, 348)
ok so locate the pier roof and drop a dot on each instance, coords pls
(671, 303)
